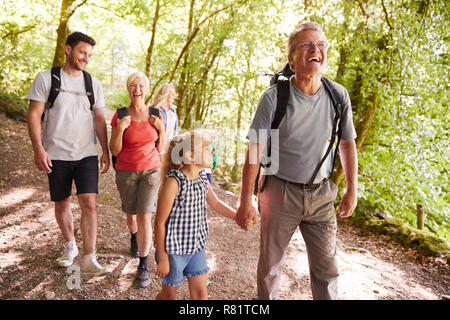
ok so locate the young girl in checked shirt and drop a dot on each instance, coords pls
(181, 228)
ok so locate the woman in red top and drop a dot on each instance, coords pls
(133, 142)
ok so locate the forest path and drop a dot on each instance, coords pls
(371, 266)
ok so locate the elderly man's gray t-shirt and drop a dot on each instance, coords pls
(304, 132)
(69, 125)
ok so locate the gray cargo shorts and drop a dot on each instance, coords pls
(138, 190)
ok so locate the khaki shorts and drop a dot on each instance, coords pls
(138, 190)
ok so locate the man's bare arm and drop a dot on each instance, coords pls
(34, 118)
(349, 161)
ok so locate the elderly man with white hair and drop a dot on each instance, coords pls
(298, 195)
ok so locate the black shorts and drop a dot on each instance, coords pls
(84, 172)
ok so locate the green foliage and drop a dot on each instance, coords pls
(426, 243)
(392, 56)
(25, 46)
(117, 98)
(13, 106)
(405, 156)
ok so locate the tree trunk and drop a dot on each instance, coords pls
(192, 37)
(182, 87)
(238, 134)
(204, 98)
(241, 98)
(362, 130)
(63, 29)
(62, 32)
(182, 91)
(148, 63)
(343, 55)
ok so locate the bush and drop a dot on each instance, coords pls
(13, 106)
(117, 98)
(424, 242)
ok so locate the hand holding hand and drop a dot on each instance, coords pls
(251, 222)
(246, 216)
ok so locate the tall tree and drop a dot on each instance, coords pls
(148, 60)
(68, 8)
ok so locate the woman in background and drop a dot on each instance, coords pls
(163, 99)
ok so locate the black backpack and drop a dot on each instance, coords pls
(123, 112)
(56, 86)
(281, 79)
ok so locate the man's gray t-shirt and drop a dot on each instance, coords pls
(69, 125)
(304, 131)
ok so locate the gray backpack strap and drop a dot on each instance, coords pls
(55, 75)
(89, 88)
(337, 101)
(121, 112)
(283, 88)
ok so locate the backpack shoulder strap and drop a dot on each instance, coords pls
(280, 111)
(154, 109)
(176, 119)
(121, 112)
(335, 95)
(282, 101)
(55, 74)
(164, 115)
(337, 101)
(89, 88)
(282, 83)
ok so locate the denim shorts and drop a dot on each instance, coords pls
(185, 265)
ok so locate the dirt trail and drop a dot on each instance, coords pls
(371, 266)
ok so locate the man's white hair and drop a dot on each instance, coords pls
(305, 26)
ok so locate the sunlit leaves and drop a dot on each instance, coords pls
(393, 59)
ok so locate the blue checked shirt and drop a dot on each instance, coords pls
(187, 226)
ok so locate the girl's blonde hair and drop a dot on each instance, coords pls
(161, 94)
(175, 157)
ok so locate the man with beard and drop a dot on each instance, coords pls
(66, 149)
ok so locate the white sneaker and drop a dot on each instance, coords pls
(70, 252)
(92, 267)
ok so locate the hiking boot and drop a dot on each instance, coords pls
(134, 246)
(142, 277)
(70, 252)
(92, 267)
